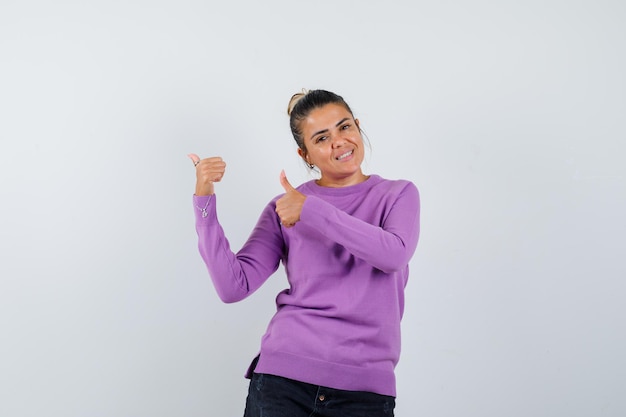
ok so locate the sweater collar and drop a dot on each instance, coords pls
(314, 188)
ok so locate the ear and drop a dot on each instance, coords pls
(303, 155)
(356, 121)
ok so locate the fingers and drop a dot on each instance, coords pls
(289, 206)
(208, 169)
(194, 158)
(213, 167)
(284, 182)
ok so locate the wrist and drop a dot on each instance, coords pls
(204, 189)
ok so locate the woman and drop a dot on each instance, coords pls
(345, 241)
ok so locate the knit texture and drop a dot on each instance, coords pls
(338, 324)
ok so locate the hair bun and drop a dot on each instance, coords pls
(295, 99)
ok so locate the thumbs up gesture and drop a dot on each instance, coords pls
(208, 171)
(289, 206)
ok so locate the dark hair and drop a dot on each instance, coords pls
(301, 105)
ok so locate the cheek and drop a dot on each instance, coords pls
(318, 154)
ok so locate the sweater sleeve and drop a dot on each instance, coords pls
(237, 275)
(387, 247)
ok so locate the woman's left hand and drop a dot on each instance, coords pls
(289, 206)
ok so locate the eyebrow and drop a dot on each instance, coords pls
(326, 130)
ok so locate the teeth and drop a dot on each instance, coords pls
(340, 157)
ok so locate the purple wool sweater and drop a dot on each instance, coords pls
(338, 324)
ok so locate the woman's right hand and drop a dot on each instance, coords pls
(208, 171)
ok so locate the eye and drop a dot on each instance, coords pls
(345, 127)
(320, 139)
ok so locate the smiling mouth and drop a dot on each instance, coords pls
(345, 155)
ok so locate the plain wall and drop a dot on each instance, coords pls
(508, 116)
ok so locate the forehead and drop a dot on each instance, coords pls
(325, 117)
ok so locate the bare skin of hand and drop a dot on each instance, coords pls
(289, 206)
(208, 171)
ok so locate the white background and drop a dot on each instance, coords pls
(509, 116)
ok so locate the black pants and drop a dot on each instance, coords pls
(274, 396)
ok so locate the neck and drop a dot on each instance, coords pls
(342, 182)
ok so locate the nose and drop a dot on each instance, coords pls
(338, 141)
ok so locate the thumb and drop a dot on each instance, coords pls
(284, 182)
(194, 158)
